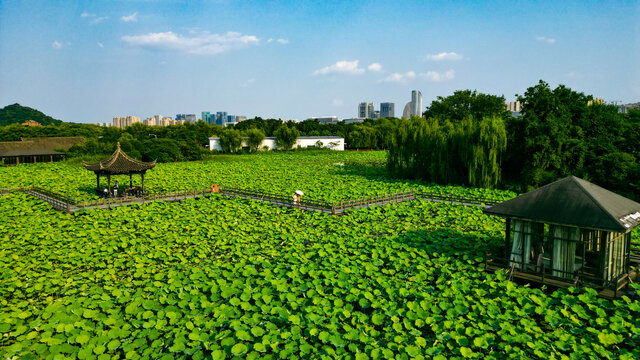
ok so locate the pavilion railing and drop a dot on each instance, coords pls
(586, 275)
(70, 204)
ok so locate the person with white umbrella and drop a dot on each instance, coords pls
(297, 196)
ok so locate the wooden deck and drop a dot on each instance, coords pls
(607, 293)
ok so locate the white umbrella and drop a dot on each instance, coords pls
(299, 192)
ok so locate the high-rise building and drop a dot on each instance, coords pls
(221, 117)
(365, 110)
(124, 121)
(240, 118)
(406, 113)
(387, 110)
(205, 117)
(416, 103)
(150, 121)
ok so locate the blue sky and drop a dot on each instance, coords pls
(88, 61)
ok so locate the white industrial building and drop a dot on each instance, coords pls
(269, 143)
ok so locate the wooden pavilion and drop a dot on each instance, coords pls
(119, 163)
(568, 233)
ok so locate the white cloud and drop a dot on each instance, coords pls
(549, 41)
(443, 56)
(200, 43)
(100, 44)
(130, 18)
(436, 76)
(270, 40)
(375, 67)
(400, 78)
(341, 67)
(56, 45)
(337, 102)
(248, 82)
(95, 19)
(283, 41)
(98, 20)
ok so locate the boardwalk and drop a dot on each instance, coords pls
(70, 205)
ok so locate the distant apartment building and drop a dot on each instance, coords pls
(240, 118)
(104, 124)
(151, 121)
(353, 120)
(597, 100)
(413, 107)
(365, 110)
(625, 108)
(186, 117)
(124, 121)
(514, 106)
(387, 110)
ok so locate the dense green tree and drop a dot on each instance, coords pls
(230, 140)
(465, 103)
(254, 138)
(548, 141)
(161, 150)
(286, 137)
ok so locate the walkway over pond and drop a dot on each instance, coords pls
(70, 205)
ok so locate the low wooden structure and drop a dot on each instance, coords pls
(568, 233)
(119, 163)
(70, 205)
(35, 150)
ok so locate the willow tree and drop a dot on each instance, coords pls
(466, 152)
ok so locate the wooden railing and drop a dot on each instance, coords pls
(69, 204)
(287, 200)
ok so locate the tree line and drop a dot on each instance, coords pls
(467, 138)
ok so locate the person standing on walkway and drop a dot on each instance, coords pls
(115, 189)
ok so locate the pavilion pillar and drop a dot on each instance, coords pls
(17, 160)
(130, 181)
(34, 159)
(507, 237)
(51, 159)
(109, 183)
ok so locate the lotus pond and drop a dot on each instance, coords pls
(229, 278)
(322, 175)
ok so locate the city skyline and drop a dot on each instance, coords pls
(85, 62)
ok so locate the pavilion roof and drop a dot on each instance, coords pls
(574, 202)
(38, 146)
(119, 163)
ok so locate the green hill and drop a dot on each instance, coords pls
(16, 113)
